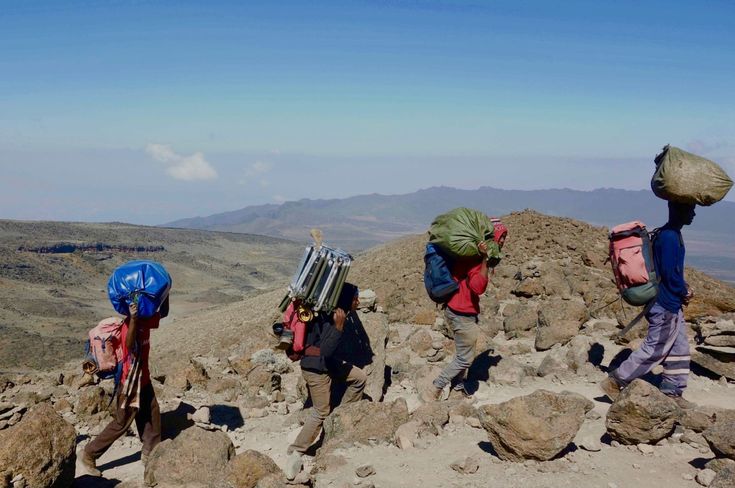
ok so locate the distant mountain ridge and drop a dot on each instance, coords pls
(414, 211)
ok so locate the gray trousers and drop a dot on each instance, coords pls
(465, 330)
(665, 343)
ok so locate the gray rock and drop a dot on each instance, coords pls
(706, 477)
(195, 456)
(274, 361)
(365, 470)
(361, 422)
(522, 321)
(721, 436)
(92, 400)
(247, 469)
(724, 479)
(559, 321)
(536, 426)
(508, 371)
(41, 449)
(367, 299)
(642, 414)
(376, 327)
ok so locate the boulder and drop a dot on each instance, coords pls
(40, 448)
(246, 469)
(360, 422)
(376, 327)
(642, 415)
(508, 371)
(274, 361)
(420, 342)
(529, 288)
(367, 299)
(559, 321)
(725, 478)
(721, 436)
(537, 426)
(92, 400)
(719, 360)
(572, 358)
(523, 320)
(195, 456)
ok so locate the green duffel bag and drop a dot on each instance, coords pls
(458, 232)
(687, 178)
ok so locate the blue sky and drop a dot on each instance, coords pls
(187, 108)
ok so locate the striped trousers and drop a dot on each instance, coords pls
(665, 343)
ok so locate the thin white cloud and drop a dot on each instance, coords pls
(279, 198)
(187, 168)
(258, 168)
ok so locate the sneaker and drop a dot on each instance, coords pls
(681, 402)
(460, 390)
(431, 394)
(89, 464)
(293, 465)
(610, 387)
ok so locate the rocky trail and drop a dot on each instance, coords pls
(231, 405)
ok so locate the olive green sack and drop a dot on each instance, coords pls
(458, 232)
(687, 178)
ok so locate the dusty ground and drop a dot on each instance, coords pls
(672, 463)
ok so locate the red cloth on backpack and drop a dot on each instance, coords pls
(291, 321)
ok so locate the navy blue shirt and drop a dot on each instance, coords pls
(668, 254)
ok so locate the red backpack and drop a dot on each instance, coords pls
(103, 349)
(631, 255)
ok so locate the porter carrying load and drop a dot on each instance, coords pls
(683, 177)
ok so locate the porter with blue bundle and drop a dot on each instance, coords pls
(145, 282)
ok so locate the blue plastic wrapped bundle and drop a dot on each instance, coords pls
(147, 282)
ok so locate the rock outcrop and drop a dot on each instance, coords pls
(538, 426)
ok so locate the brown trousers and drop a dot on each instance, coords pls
(147, 420)
(319, 385)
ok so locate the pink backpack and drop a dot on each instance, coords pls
(104, 348)
(631, 255)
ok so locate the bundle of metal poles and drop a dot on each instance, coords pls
(319, 278)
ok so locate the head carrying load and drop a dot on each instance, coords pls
(147, 282)
(318, 281)
(684, 177)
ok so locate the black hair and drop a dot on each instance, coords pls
(346, 296)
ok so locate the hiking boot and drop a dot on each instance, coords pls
(610, 387)
(431, 394)
(681, 402)
(89, 464)
(293, 465)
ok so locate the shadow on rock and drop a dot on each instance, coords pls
(174, 422)
(226, 415)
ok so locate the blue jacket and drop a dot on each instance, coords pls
(668, 254)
